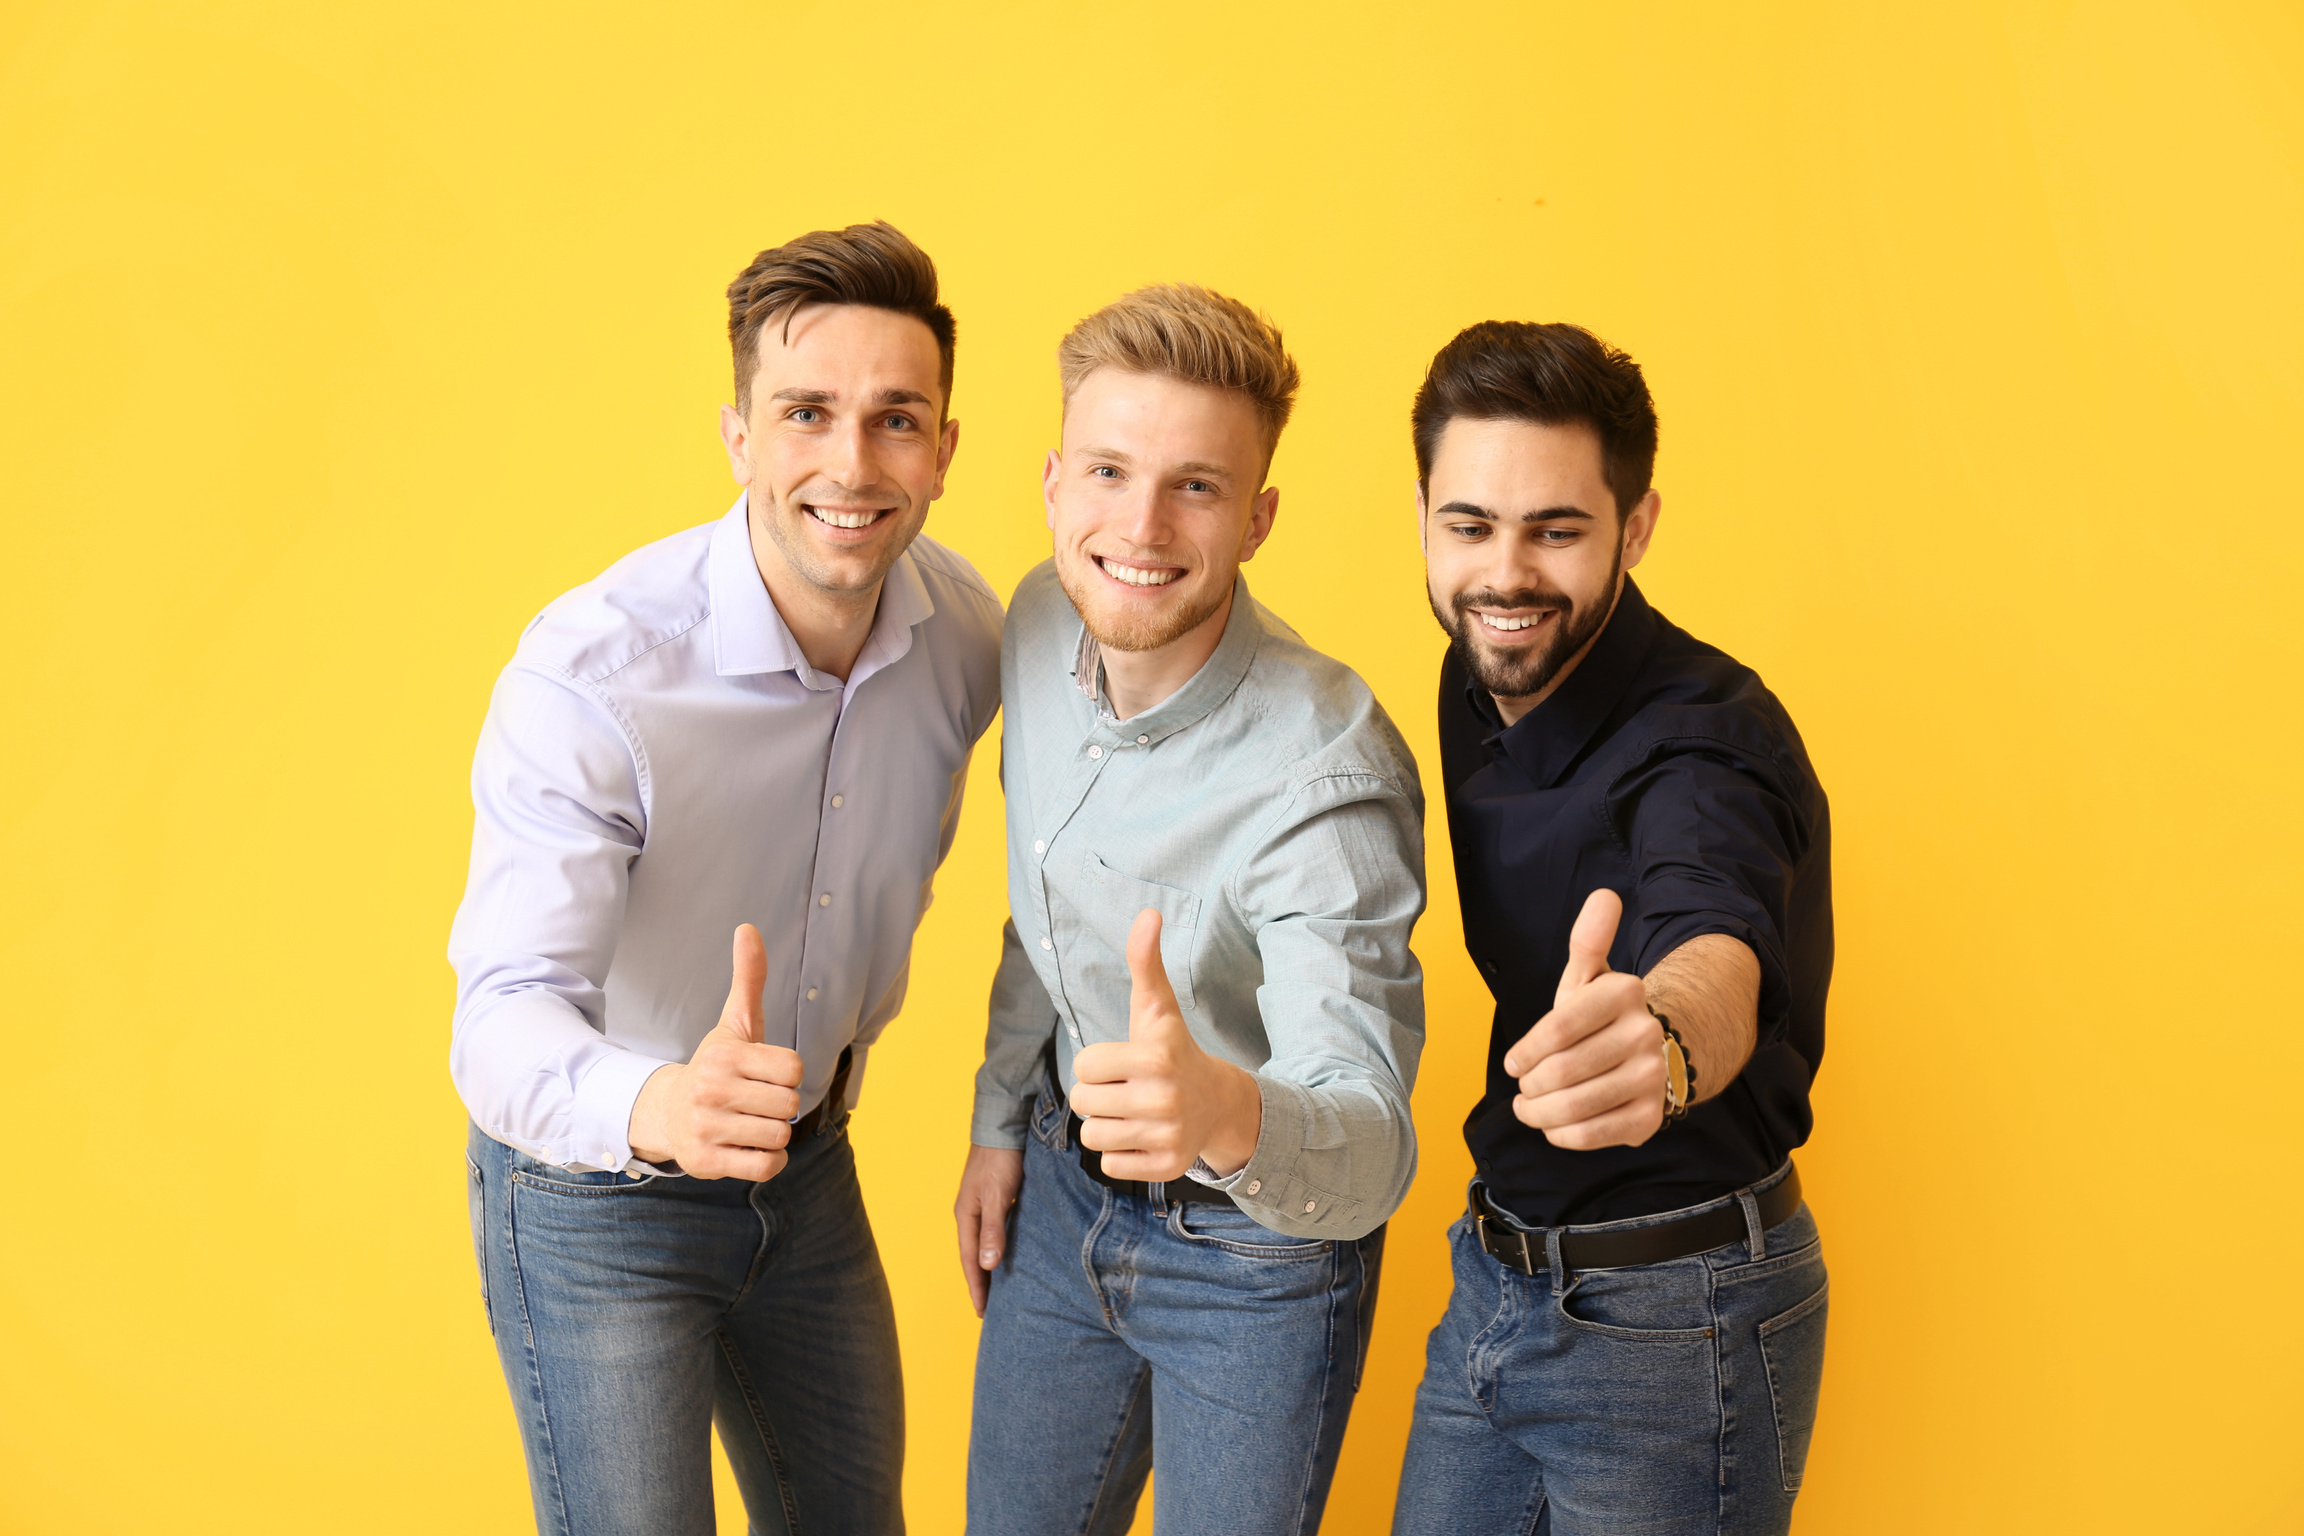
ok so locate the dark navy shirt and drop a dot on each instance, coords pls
(1664, 770)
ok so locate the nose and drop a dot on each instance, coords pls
(1140, 518)
(853, 462)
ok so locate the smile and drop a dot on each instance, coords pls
(1137, 575)
(857, 517)
(1507, 624)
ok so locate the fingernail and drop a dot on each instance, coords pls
(988, 1258)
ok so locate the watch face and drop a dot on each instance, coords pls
(1675, 1073)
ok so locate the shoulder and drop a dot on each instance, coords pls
(1322, 719)
(954, 584)
(655, 594)
(1707, 707)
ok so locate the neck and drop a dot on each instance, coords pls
(1135, 681)
(1511, 706)
(830, 627)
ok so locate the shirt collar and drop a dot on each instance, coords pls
(1547, 740)
(1218, 676)
(749, 635)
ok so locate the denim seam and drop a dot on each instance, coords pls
(1112, 1449)
(1311, 1475)
(1773, 1325)
(545, 1186)
(761, 1427)
(551, 1457)
(1723, 1445)
(1278, 1253)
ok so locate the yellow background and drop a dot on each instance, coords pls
(338, 339)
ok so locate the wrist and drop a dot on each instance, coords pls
(1232, 1140)
(647, 1133)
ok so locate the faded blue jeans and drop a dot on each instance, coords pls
(1670, 1399)
(633, 1313)
(1126, 1332)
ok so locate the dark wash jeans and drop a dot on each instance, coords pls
(1669, 1399)
(632, 1313)
(1125, 1330)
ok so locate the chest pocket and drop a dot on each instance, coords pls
(1114, 899)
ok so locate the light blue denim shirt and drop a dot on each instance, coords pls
(1273, 816)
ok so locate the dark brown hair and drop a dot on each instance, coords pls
(871, 264)
(1513, 370)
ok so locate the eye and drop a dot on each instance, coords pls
(1199, 487)
(1469, 531)
(1104, 472)
(1556, 537)
(898, 423)
(806, 415)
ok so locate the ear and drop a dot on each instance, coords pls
(1261, 512)
(736, 436)
(948, 443)
(1640, 526)
(1049, 474)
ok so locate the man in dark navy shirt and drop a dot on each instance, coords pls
(1643, 855)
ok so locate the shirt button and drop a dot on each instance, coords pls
(1308, 1205)
(811, 994)
(1047, 942)
(1038, 846)
(1255, 1185)
(1095, 751)
(1143, 740)
(837, 802)
(824, 900)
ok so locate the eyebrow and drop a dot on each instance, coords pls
(828, 397)
(1189, 467)
(1548, 514)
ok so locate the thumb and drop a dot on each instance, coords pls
(741, 1017)
(1152, 1006)
(1589, 942)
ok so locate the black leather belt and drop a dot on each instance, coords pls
(1706, 1230)
(1092, 1164)
(834, 1103)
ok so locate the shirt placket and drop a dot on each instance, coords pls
(819, 941)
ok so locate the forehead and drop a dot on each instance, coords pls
(1518, 455)
(1158, 416)
(855, 343)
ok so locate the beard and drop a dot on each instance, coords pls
(1517, 676)
(1125, 631)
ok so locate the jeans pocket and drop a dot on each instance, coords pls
(530, 1173)
(479, 1194)
(1231, 1230)
(1792, 1347)
(1669, 1303)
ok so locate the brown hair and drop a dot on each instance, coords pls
(871, 264)
(1184, 331)
(1512, 370)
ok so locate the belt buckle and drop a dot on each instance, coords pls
(1489, 1246)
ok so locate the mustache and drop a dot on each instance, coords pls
(1488, 597)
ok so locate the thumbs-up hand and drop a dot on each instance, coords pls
(1592, 1070)
(728, 1112)
(1156, 1104)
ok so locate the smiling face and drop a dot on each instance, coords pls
(1523, 550)
(1155, 500)
(843, 448)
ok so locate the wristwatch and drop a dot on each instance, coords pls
(1679, 1072)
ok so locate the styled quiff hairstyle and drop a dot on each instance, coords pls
(1184, 331)
(870, 264)
(1512, 370)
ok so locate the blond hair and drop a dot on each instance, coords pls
(1184, 331)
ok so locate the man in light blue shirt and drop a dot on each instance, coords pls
(760, 726)
(1207, 1018)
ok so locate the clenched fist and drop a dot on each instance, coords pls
(728, 1113)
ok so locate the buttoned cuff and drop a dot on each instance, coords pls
(1271, 1186)
(1000, 1121)
(600, 1129)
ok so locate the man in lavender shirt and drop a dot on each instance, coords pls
(759, 726)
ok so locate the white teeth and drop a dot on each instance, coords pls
(1496, 621)
(862, 519)
(1136, 577)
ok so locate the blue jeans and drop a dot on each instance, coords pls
(1667, 1399)
(633, 1313)
(1127, 1331)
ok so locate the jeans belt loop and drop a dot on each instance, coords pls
(1755, 1235)
(1552, 1257)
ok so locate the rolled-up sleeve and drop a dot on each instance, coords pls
(1333, 896)
(1716, 847)
(559, 816)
